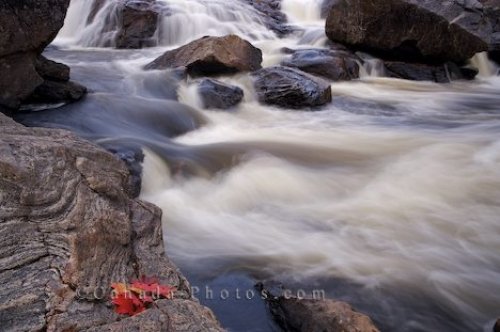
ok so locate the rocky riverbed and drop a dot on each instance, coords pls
(345, 146)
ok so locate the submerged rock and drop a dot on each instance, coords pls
(406, 30)
(331, 64)
(215, 94)
(25, 30)
(272, 15)
(212, 56)
(291, 88)
(68, 229)
(308, 315)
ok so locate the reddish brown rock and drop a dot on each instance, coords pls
(212, 56)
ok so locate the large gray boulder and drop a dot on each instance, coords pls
(212, 56)
(26, 28)
(69, 227)
(411, 30)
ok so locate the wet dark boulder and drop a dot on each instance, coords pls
(315, 315)
(52, 70)
(53, 92)
(25, 30)
(408, 30)
(330, 64)
(291, 88)
(215, 94)
(496, 328)
(423, 72)
(212, 56)
(138, 24)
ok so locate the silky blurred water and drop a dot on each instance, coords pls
(389, 197)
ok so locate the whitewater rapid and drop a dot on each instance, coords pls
(393, 188)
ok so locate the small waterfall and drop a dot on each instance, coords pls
(91, 23)
(95, 23)
(486, 67)
(302, 11)
(371, 68)
(192, 19)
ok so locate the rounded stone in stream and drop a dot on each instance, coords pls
(331, 64)
(215, 94)
(291, 88)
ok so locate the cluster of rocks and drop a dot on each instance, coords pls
(214, 56)
(26, 76)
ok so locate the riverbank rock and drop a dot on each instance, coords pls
(291, 88)
(308, 315)
(330, 64)
(407, 30)
(215, 94)
(423, 72)
(25, 30)
(139, 22)
(212, 56)
(69, 227)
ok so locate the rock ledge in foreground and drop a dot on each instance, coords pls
(69, 226)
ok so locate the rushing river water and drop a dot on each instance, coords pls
(388, 198)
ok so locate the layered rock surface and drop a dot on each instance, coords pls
(68, 227)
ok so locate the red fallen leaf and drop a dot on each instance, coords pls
(124, 305)
(134, 299)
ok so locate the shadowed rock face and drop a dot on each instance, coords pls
(67, 227)
(26, 28)
(407, 30)
(291, 88)
(212, 56)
